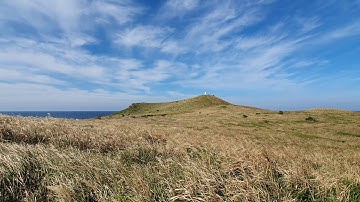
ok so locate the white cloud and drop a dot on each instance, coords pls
(34, 60)
(173, 47)
(44, 16)
(346, 31)
(248, 43)
(254, 59)
(28, 61)
(147, 36)
(179, 95)
(177, 8)
(12, 75)
(182, 4)
(44, 61)
(121, 11)
(334, 35)
(189, 43)
(25, 60)
(69, 19)
(254, 63)
(308, 24)
(24, 96)
(309, 63)
(213, 31)
(144, 77)
(268, 57)
(130, 64)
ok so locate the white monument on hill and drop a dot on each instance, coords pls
(205, 93)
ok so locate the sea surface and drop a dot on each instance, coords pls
(60, 114)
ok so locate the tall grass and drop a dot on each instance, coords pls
(173, 159)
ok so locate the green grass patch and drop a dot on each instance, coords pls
(355, 192)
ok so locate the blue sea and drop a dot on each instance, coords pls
(60, 114)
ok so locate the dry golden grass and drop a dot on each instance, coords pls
(210, 154)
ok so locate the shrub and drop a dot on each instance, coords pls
(310, 119)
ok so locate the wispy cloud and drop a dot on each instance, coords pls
(49, 58)
(182, 4)
(142, 78)
(308, 63)
(352, 29)
(126, 48)
(177, 8)
(207, 34)
(120, 11)
(67, 19)
(24, 96)
(147, 36)
(14, 76)
(173, 47)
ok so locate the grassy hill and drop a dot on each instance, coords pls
(176, 107)
(205, 150)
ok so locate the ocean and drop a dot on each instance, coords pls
(60, 114)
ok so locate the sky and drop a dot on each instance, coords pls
(106, 54)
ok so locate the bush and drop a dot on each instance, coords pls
(310, 119)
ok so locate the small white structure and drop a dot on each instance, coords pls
(205, 93)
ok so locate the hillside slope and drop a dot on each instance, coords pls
(176, 107)
(222, 152)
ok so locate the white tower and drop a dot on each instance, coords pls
(205, 93)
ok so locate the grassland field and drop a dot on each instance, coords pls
(199, 149)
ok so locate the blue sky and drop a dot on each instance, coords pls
(105, 54)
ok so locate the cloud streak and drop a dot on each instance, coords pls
(146, 36)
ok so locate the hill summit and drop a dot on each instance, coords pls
(175, 107)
